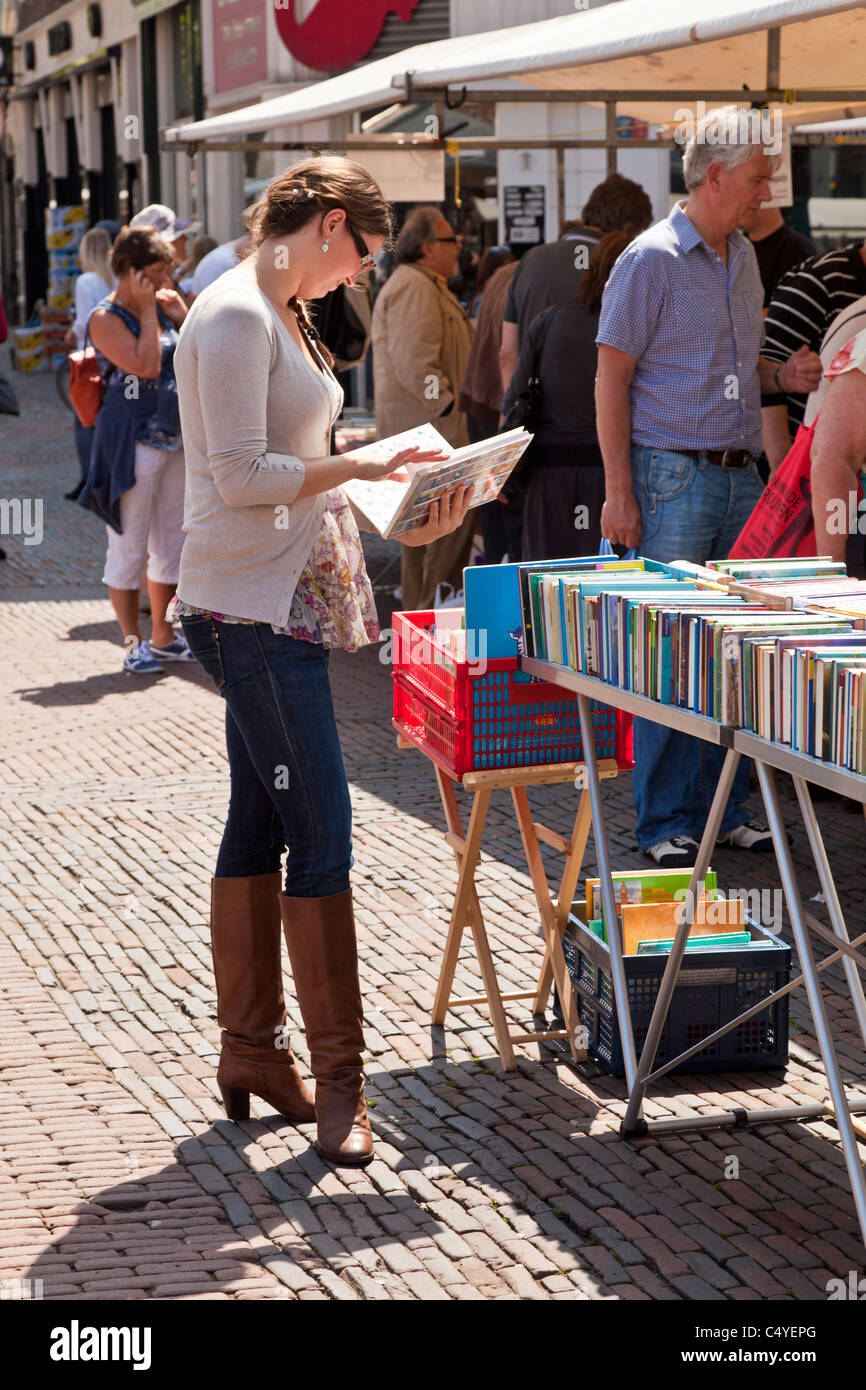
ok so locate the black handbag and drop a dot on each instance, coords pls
(526, 408)
(8, 399)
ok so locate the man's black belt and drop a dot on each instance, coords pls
(723, 458)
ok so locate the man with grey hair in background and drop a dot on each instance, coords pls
(421, 338)
(678, 397)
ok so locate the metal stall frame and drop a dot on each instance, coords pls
(768, 758)
(443, 98)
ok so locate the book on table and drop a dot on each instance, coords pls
(398, 504)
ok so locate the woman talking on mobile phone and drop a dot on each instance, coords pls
(272, 576)
(136, 477)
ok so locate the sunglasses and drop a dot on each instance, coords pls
(367, 261)
(447, 238)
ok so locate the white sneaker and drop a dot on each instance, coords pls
(679, 852)
(754, 835)
(138, 660)
(177, 650)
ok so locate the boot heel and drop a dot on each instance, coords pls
(236, 1101)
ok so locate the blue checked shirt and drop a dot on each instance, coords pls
(695, 326)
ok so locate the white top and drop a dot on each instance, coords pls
(89, 289)
(251, 408)
(213, 265)
(841, 330)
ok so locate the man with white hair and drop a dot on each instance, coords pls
(678, 397)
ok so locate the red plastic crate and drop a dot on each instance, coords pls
(477, 715)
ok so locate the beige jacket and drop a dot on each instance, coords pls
(421, 344)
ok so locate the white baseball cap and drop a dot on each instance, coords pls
(166, 222)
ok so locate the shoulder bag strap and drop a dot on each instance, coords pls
(113, 310)
(543, 331)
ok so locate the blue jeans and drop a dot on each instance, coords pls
(694, 511)
(288, 782)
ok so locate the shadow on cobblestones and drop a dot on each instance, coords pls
(94, 688)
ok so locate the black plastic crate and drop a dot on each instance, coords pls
(712, 988)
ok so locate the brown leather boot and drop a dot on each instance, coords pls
(320, 933)
(245, 939)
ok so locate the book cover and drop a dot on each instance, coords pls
(643, 921)
(642, 886)
(397, 505)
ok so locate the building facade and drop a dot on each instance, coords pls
(94, 84)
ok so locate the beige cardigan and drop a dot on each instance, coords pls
(421, 343)
(251, 408)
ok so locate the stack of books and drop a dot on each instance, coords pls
(793, 585)
(790, 669)
(649, 906)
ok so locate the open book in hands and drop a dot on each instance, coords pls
(397, 504)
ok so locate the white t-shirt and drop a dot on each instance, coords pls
(89, 289)
(843, 328)
(213, 265)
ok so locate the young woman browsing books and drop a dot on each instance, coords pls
(272, 576)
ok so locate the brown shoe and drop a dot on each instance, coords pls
(320, 933)
(245, 939)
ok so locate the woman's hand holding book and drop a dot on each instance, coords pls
(446, 514)
(372, 471)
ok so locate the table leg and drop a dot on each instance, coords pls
(638, 1085)
(565, 898)
(602, 854)
(467, 862)
(831, 897)
(813, 989)
(491, 986)
(468, 908)
(548, 917)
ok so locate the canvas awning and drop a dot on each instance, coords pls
(805, 55)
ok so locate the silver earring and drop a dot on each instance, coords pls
(326, 244)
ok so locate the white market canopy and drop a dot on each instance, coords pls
(651, 58)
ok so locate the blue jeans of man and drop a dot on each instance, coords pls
(288, 782)
(690, 510)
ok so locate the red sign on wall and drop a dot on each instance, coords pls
(239, 43)
(337, 33)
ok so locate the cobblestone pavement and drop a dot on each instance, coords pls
(119, 1179)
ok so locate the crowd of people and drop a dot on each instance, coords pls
(662, 368)
(669, 368)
